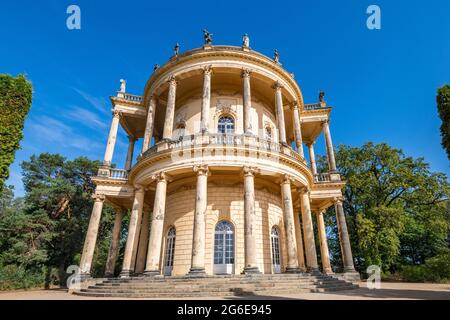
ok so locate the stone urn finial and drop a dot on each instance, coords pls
(123, 84)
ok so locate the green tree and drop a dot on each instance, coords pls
(396, 208)
(15, 102)
(443, 105)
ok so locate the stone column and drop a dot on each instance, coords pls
(128, 163)
(170, 109)
(157, 225)
(149, 124)
(324, 253)
(289, 226)
(199, 233)
(344, 238)
(308, 231)
(143, 242)
(312, 158)
(91, 236)
(206, 99)
(247, 100)
(329, 143)
(112, 139)
(280, 112)
(133, 232)
(297, 129)
(249, 222)
(298, 236)
(113, 252)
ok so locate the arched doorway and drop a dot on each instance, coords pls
(170, 251)
(276, 257)
(224, 248)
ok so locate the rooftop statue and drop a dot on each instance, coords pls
(246, 41)
(208, 36)
(155, 67)
(321, 96)
(276, 56)
(123, 84)
(176, 49)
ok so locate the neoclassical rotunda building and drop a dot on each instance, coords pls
(221, 184)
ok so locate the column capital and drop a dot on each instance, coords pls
(286, 179)
(277, 85)
(98, 197)
(131, 138)
(172, 80)
(327, 121)
(201, 170)
(304, 189)
(249, 171)
(338, 200)
(161, 176)
(294, 105)
(138, 188)
(207, 70)
(116, 113)
(246, 73)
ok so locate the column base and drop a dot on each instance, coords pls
(84, 276)
(151, 273)
(251, 270)
(314, 271)
(109, 275)
(196, 273)
(125, 274)
(292, 270)
(328, 272)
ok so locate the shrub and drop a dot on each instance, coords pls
(17, 277)
(436, 269)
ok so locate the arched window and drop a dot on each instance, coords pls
(275, 240)
(224, 248)
(225, 125)
(180, 130)
(170, 251)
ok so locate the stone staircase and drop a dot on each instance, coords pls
(218, 286)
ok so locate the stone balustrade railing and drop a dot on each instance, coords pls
(118, 174)
(130, 97)
(322, 177)
(315, 106)
(211, 139)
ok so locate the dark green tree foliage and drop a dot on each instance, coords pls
(443, 105)
(396, 209)
(15, 102)
(46, 234)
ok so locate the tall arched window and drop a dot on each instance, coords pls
(170, 251)
(224, 248)
(225, 125)
(268, 133)
(275, 240)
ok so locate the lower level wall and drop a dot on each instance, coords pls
(224, 203)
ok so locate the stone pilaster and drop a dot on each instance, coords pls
(170, 109)
(280, 112)
(289, 226)
(249, 221)
(308, 231)
(298, 236)
(312, 158)
(206, 99)
(199, 234)
(247, 100)
(133, 232)
(107, 159)
(143, 242)
(129, 161)
(344, 238)
(91, 236)
(329, 143)
(149, 124)
(297, 129)
(324, 253)
(152, 266)
(113, 252)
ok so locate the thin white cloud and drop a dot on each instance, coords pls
(86, 117)
(52, 130)
(98, 103)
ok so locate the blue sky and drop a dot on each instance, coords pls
(381, 83)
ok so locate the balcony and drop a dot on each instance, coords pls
(327, 177)
(215, 140)
(315, 106)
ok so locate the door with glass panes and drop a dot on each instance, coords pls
(224, 248)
